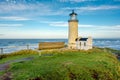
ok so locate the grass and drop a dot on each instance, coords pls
(113, 51)
(17, 55)
(95, 64)
(117, 52)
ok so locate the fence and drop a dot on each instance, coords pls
(10, 49)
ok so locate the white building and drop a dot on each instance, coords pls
(84, 43)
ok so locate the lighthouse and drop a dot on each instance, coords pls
(73, 30)
(75, 42)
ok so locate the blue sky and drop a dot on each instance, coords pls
(49, 18)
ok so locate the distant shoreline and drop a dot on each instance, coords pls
(11, 45)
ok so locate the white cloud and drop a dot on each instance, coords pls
(50, 22)
(94, 30)
(24, 8)
(75, 0)
(81, 0)
(87, 26)
(11, 25)
(40, 9)
(31, 9)
(65, 24)
(59, 24)
(1, 34)
(93, 8)
(102, 7)
(14, 18)
(115, 28)
(19, 7)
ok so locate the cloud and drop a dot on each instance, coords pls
(65, 24)
(11, 25)
(59, 24)
(50, 21)
(45, 9)
(14, 18)
(87, 26)
(102, 7)
(29, 9)
(24, 8)
(1, 34)
(76, 1)
(115, 28)
(12, 7)
(19, 7)
(93, 8)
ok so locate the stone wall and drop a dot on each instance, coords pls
(51, 45)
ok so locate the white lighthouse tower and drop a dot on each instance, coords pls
(73, 30)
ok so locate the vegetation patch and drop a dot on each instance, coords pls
(94, 64)
(21, 52)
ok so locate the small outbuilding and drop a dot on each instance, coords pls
(84, 43)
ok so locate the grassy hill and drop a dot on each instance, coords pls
(95, 64)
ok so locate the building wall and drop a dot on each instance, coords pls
(89, 42)
(51, 45)
(73, 33)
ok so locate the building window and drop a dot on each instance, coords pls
(84, 43)
(80, 43)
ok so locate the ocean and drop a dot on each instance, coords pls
(11, 45)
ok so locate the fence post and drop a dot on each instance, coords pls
(1, 50)
(27, 46)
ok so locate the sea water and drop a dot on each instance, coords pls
(11, 45)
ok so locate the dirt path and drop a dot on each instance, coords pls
(5, 66)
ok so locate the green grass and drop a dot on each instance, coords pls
(111, 50)
(17, 55)
(95, 64)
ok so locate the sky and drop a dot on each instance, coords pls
(41, 19)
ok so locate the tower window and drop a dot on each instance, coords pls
(73, 16)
